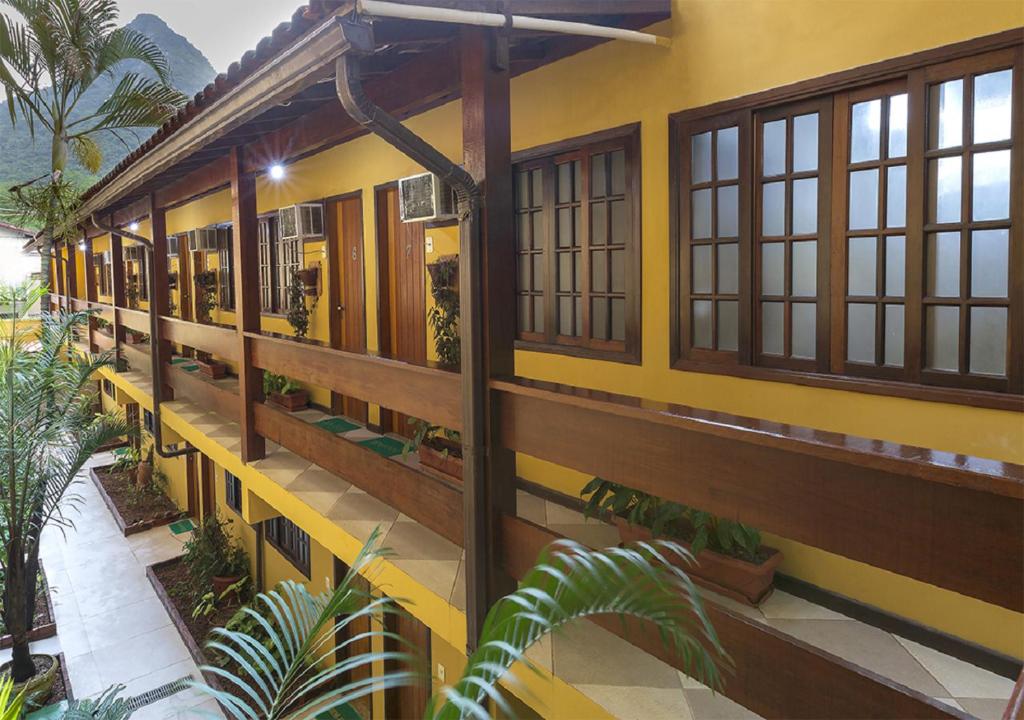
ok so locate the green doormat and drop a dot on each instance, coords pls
(336, 425)
(179, 360)
(345, 712)
(190, 368)
(384, 446)
(182, 526)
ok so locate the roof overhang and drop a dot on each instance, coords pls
(310, 59)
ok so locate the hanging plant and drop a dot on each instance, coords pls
(206, 294)
(444, 315)
(298, 313)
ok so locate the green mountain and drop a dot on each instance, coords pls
(23, 158)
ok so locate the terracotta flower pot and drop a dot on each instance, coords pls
(447, 463)
(222, 583)
(143, 474)
(738, 579)
(39, 687)
(291, 401)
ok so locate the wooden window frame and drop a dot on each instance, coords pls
(916, 71)
(233, 492)
(225, 269)
(108, 389)
(147, 421)
(276, 527)
(267, 248)
(547, 157)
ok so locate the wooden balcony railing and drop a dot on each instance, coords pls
(213, 339)
(904, 509)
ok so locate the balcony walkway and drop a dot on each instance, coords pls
(616, 676)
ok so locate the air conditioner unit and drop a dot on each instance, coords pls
(425, 197)
(303, 222)
(203, 239)
(172, 246)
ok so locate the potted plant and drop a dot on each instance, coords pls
(284, 392)
(215, 563)
(298, 313)
(438, 448)
(144, 470)
(444, 315)
(730, 558)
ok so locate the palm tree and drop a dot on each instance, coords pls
(48, 430)
(49, 59)
(286, 667)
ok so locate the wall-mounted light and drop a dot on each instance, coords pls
(134, 227)
(276, 171)
(81, 245)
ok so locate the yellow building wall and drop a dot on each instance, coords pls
(721, 49)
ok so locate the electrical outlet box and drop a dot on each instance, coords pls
(440, 672)
(430, 244)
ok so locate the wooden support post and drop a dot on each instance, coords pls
(486, 141)
(247, 300)
(159, 293)
(90, 286)
(71, 271)
(117, 274)
(58, 266)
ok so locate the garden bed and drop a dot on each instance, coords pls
(43, 625)
(134, 511)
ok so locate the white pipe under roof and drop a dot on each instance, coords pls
(380, 8)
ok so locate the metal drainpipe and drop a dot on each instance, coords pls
(364, 111)
(154, 343)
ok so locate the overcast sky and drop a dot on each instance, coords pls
(222, 29)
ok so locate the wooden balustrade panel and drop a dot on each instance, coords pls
(79, 305)
(207, 395)
(775, 675)
(427, 393)
(104, 311)
(103, 341)
(926, 515)
(134, 319)
(138, 357)
(433, 503)
(218, 341)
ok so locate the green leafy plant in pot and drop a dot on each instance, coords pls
(284, 392)
(730, 557)
(298, 313)
(438, 448)
(214, 561)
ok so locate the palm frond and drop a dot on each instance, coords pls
(108, 706)
(10, 704)
(128, 44)
(571, 582)
(87, 152)
(289, 669)
(137, 101)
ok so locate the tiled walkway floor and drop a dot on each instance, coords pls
(111, 626)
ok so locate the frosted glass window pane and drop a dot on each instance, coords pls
(860, 333)
(524, 273)
(896, 197)
(862, 266)
(702, 323)
(944, 186)
(524, 313)
(728, 325)
(618, 319)
(599, 318)
(728, 164)
(805, 142)
(565, 271)
(538, 313)
(619, 222)
(522, 232)
(565, 183)
(895, 265)
(894, 335)
(805, 206)
(805, 321)
(944, 264)
(522, 190)
(991, 185)
(990, 262)
(805, 268)
(988, 340)
(728, 211)
(947, 114)
(701, 203)
(700, 158)
(577, 186)
(538, 271)
(598, 223)
(598, 177)
(728, 268)
(702, 269)
(864, 199)
(538, 229)
(898, 125)
(992, 109)
(618, 172)
(565, 227)
(773, 209)
(865, 130)
(774, 148)
(618, 271)
(772, 327)
(599, 271)
(942, 336)
(577, 259)
(537, 179)
(773, 268)
(577, 305)
(565, 314)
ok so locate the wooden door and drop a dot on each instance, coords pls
(401, 294)
(209, 494)
(406, 703)
(348, 290)
(192, 485)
